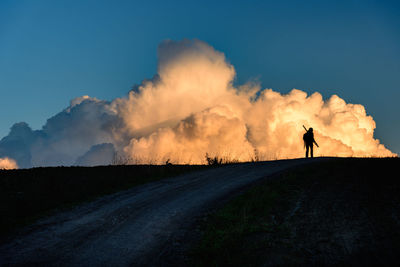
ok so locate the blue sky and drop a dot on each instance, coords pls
(53, 51)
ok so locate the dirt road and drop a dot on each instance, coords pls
(146, 225)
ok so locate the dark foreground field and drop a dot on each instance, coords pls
(29, 194)
(341, 212)
(307, 212)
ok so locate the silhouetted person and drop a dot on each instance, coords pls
(309, 140)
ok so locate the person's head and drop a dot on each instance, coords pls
(310, 130)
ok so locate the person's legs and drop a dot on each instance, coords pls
(312, 151)
(307, 147)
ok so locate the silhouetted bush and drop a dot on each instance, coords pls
(215, 161)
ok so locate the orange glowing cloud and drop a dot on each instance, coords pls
(8, 164)
(203, 113)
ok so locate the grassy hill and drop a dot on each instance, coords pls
(346, 211)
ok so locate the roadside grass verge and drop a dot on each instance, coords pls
(29, 194)
(261, 226)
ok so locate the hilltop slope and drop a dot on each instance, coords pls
(341, 212)
(142, 225)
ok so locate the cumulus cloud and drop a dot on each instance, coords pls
(8, 164)
(102, 154)
(190, 108)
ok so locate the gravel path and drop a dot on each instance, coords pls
(146, 225)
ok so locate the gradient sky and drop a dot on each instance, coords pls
(54, 51)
